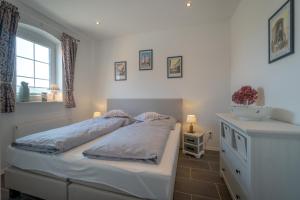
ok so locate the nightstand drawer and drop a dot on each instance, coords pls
(191, 140)
(193, 149)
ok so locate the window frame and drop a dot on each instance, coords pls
(51, 72)
(42, 38)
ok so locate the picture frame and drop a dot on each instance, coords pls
(146, 59)
(174, 67)
(281, 29)
(120, 71)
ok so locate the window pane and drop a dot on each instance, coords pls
(24, 48)
(30, 81)
(41, 83)
(41, 70)
(41, 53)
(25, 67)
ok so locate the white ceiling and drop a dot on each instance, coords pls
(123, 17)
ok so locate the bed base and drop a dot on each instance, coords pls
(79, 192)
(54, 188)
(36, 185)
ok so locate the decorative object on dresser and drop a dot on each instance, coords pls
(193, 144)
(24, 92)
(97, 114)
(174, 67)
(281, 32)
(54, 90)
(259, 159)
(146, 59)
(121, 71)
(191, 119)
(243, 108)
(44, 96)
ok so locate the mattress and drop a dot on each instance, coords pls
(143, 180)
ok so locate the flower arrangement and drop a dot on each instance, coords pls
(245, 96)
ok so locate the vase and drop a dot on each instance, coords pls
(24, 92)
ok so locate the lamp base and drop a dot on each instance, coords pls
(191, 129)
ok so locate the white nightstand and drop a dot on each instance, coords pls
(193, 144)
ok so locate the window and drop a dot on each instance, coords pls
(33, 64)
(38, 63)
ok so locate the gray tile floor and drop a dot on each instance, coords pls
(196, 179)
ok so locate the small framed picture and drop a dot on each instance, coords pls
(174, 67)
(281, 32)
(146, 59)
(121, 71)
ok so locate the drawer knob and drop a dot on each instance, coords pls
(223, 150)
(223, 169)
(237, 196)
(237, 171)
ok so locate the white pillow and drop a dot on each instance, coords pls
(116, 113)
(150, 116)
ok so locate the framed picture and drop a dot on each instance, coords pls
(146, 59)
(281, 32)
(174, 67)
(121, 71)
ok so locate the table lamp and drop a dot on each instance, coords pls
(96, 114)
(191, 119)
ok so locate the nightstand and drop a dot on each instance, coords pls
(193, 144)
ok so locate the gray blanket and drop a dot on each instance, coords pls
(65, 138)
(144, 141)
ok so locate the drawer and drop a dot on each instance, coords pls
(193, 149)
(236, 166)
(226, 133)
(241, 144)
(235, 190)
(192, 140)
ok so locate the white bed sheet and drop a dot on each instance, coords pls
(143, 180)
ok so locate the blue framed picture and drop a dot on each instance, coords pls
(146, 59)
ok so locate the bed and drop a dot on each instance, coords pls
(73, 176)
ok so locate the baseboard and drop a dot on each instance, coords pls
(212, 148)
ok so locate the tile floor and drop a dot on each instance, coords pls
(196, 179)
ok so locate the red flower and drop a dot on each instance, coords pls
(246, 95)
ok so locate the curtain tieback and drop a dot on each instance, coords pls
(6, 82)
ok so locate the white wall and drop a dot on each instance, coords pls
(249, 58)
(28, 112)
(205, 84)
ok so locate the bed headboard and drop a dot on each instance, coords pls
(172, 107)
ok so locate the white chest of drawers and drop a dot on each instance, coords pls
(260, 160)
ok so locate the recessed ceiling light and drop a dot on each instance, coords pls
(188, 4)
(97, 22)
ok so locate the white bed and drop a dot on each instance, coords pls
(90, 179)
(148, 181)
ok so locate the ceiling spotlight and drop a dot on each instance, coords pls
(188, 3)
(97, 23)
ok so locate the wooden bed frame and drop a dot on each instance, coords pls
(55, 188)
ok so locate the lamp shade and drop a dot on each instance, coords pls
(97, 114)
(191, 119)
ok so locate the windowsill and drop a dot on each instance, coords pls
(41, 102)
